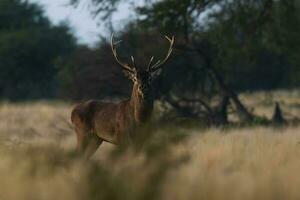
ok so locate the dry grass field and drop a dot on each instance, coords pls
(38, 162)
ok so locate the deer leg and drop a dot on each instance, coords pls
(92, 146)
(87, 144)
(82, 141)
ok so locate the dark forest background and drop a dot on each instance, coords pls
(221, 45)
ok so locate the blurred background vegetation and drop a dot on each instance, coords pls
(221, 45)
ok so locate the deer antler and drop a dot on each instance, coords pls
(114, 50)
(159, 63)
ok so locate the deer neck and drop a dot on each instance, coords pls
(142, 105)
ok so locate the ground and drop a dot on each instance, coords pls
(38, 160)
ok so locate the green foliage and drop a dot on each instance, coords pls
(253, 44)
(260, 121)
(104, 8)
(257, 46)
(16, 14)
(29, 46)
(91, 73)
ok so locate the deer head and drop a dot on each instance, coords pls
(142, 76)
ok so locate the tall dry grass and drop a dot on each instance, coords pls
(37, 158)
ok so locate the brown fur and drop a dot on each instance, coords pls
(95, 121)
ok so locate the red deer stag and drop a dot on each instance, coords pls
(96, 121)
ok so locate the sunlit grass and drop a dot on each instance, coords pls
(38, 160)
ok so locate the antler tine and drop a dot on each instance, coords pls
(150, 62)
(114, 51)
(133, 61)
(159, 63)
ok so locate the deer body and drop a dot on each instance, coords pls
(116, 123)
(113, 122)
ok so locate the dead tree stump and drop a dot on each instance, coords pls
(278, 116)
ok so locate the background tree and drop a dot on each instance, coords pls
(29, 47)
(91, 73)
(222, 46)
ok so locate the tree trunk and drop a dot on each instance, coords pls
(244, 115)
(277, 116)
(220, 113)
